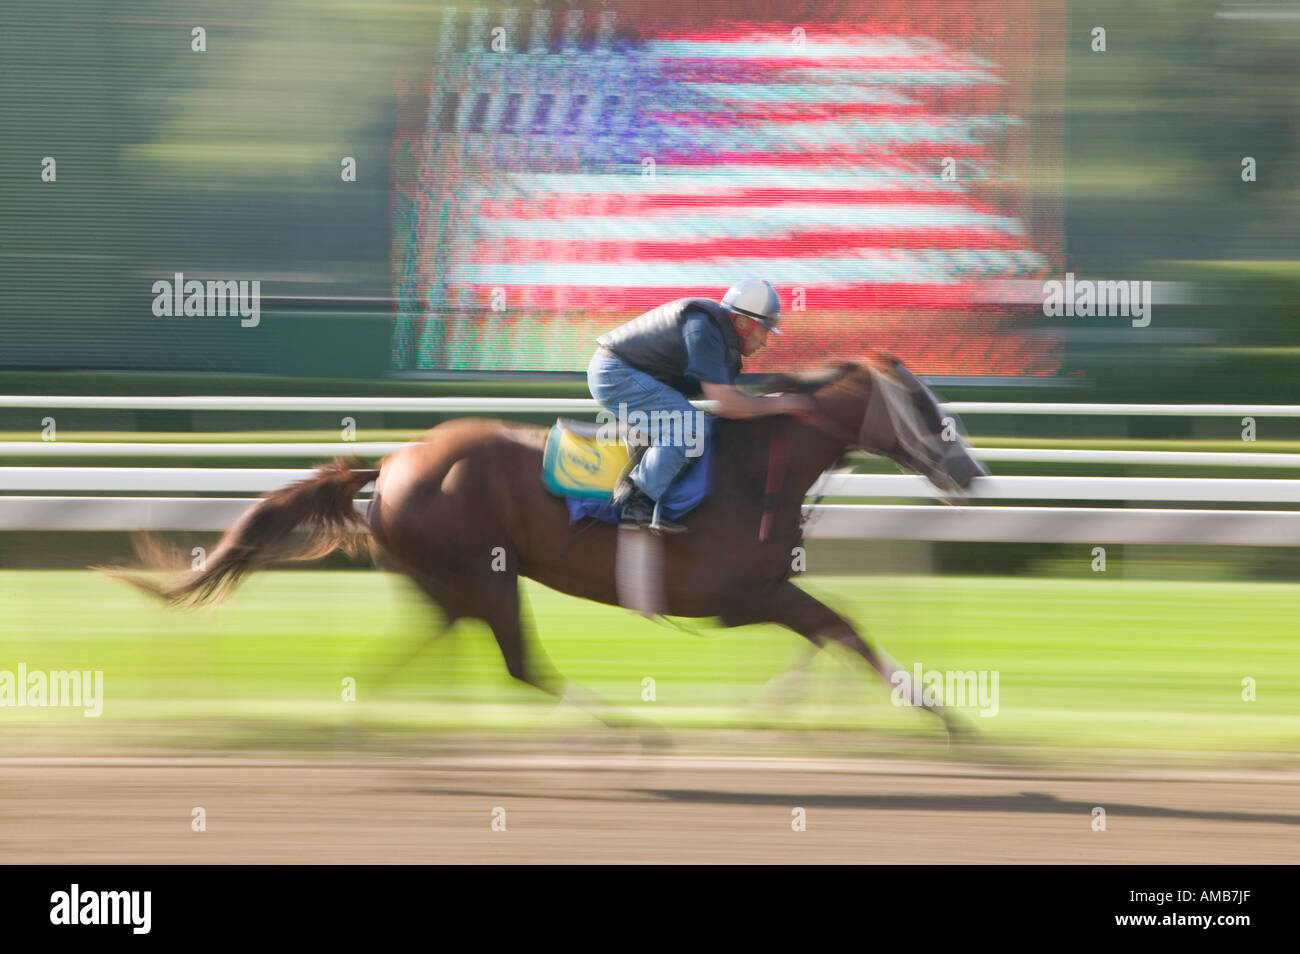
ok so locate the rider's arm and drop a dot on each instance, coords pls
(705, 352)
(733, 402)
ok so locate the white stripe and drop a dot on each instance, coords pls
(573, 405)
(149, 479)
(670, 180)
(886, 168)
(338, 404)
(1257, 14)
(254, 480)
(767, 45)
(792, 135)
(749, 222)
(1180, 489)
(572, 31)
(1081, 525)
(857, 77)
(865, 268)
(1162, 410)
(1031, 292)
(1179, 458)
(541, 32)
(380, 448)
(1084, 525)
(134, 449)
(778, 94)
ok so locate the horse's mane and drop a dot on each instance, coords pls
(806, 382)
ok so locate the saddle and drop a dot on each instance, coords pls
(582, 461)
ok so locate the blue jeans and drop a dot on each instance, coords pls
(675, 433)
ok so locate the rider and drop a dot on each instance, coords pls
(654, 363)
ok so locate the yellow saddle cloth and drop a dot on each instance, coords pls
(580, 462)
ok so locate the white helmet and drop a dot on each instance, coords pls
(755, 299)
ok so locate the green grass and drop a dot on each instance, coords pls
(1096, 663)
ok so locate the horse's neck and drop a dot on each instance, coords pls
(807, 453)
(812, 453)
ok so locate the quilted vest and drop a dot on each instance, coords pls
(653, 342)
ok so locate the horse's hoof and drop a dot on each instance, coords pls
(782, 691)
(960, 731)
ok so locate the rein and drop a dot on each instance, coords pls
(778, 455)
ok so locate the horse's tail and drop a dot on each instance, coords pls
(303, 521)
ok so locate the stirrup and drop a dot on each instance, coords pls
(658, 525)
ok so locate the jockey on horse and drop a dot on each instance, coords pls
(464, 511)
(655, 363)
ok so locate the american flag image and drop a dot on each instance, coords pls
(570, 170)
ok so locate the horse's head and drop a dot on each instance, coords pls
(884, 409)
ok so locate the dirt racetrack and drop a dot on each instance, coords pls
(632, 809)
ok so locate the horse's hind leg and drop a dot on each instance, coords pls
(445, 596)
(819, 624)
(501, 607)
(495, 599)
(506, 613)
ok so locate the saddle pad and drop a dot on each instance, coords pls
(579, 466)
(692, 486)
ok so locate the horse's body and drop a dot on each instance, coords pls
(464, 514)
(471, 486)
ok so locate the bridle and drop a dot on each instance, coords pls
(840, 434)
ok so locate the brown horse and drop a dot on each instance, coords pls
(464, 514)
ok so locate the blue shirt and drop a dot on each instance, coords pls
(706, 350)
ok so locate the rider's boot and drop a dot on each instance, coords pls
(638, 509)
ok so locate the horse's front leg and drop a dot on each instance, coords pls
(812, 619)
(788, 686)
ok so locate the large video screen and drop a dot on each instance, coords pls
(888, 166)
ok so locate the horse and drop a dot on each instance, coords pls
(463, 513)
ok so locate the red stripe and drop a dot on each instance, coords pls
(941, 102)
(872, 295)
(829, 158)
(775, 71)
(923, 62)
(867, 23)
(803, 114)
(558, 205)
(818, 244)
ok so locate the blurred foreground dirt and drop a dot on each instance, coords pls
(632, 809)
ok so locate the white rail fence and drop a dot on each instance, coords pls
(508, 405)
(1021, 524)
(57, 508)
(1091, 525)
(381, 448)
(254, 480)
